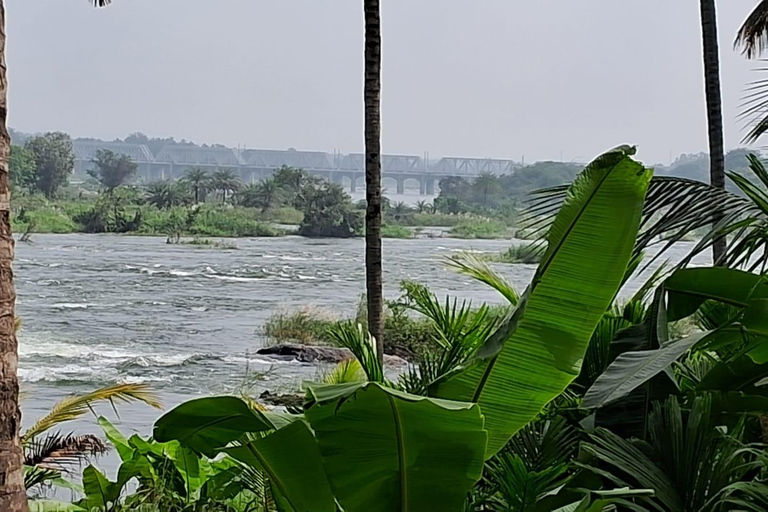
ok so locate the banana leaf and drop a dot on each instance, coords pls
(541, 347)
(291, 459)
(208, 424)
(386, 451)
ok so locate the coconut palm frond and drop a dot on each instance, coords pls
(673, 208)
(72, 407)
(470, 265)
(55, 451)
(754, 108)
(344, 372)
(100, 3)
(352, 336)
(37, 476)
(752, 37)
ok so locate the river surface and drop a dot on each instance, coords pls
(102, 309)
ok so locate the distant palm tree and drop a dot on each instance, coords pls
(372, 101)
(226, 181)
(12, 495)
(199, 181)
(423, 206)
(714, 106)
(486, 184)
(264, 195)
(400, 208)
(165, 194)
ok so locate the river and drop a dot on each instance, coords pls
(101, 309)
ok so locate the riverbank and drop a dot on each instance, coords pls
(37, 216)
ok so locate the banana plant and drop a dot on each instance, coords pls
(367, 446)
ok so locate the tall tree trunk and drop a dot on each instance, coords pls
(714, 108)
(372, 99)
(12, 494)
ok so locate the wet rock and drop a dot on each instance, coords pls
(313, 354)
(291, 401)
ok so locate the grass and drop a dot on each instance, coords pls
(529, 254)
(208, 243)
(282, 215)
(395, 231)
(477, 228)
(309, 326)
(45, 220)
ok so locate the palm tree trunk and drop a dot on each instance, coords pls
(714, 109)
(372, 100)
(12, 494)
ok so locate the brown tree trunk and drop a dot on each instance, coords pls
(714, 109)
(372, 100)
(13, 497)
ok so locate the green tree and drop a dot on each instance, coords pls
(22, 168)
(225, 181)
(265, 195)
(112, 169)
(486, 184)
(423, 206)
(199, 181)
(164, 194)
(714, 106)
(54, 161)
(372, 100)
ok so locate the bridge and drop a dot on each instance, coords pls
(253, 165)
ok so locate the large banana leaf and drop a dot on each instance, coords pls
(291, 459)
(387, 451)
(589, 247)
(688, 289)
(633, 369)
(209, 424)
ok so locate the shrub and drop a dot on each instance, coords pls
(479, 228)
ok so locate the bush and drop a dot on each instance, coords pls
(390, 231)
(45, 220)
(479, 228)
(529, 254)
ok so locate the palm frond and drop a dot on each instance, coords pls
(752, 37)
(38, 476)
(352, 336)
(344, 372)
(673, 208)
(459, 332)
(100, 3)
(75, 406)
(469, 264)
(55, 451)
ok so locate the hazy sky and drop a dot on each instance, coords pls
(485, 78)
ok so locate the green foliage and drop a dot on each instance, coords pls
(199, 183)
(394, 231)
(479, 228)
(328, 211)
(54, 161)
(688, 461)
(167, 194)
(22, 168)
(225, 181)
(526, 254)
(572, 288)
(488, 192)
(112, 170)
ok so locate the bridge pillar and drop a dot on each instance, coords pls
(422, 185)
(401, 185)
(353, 183)
(430, 186)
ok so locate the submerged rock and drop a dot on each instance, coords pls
(290, 400)
(313, 354)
